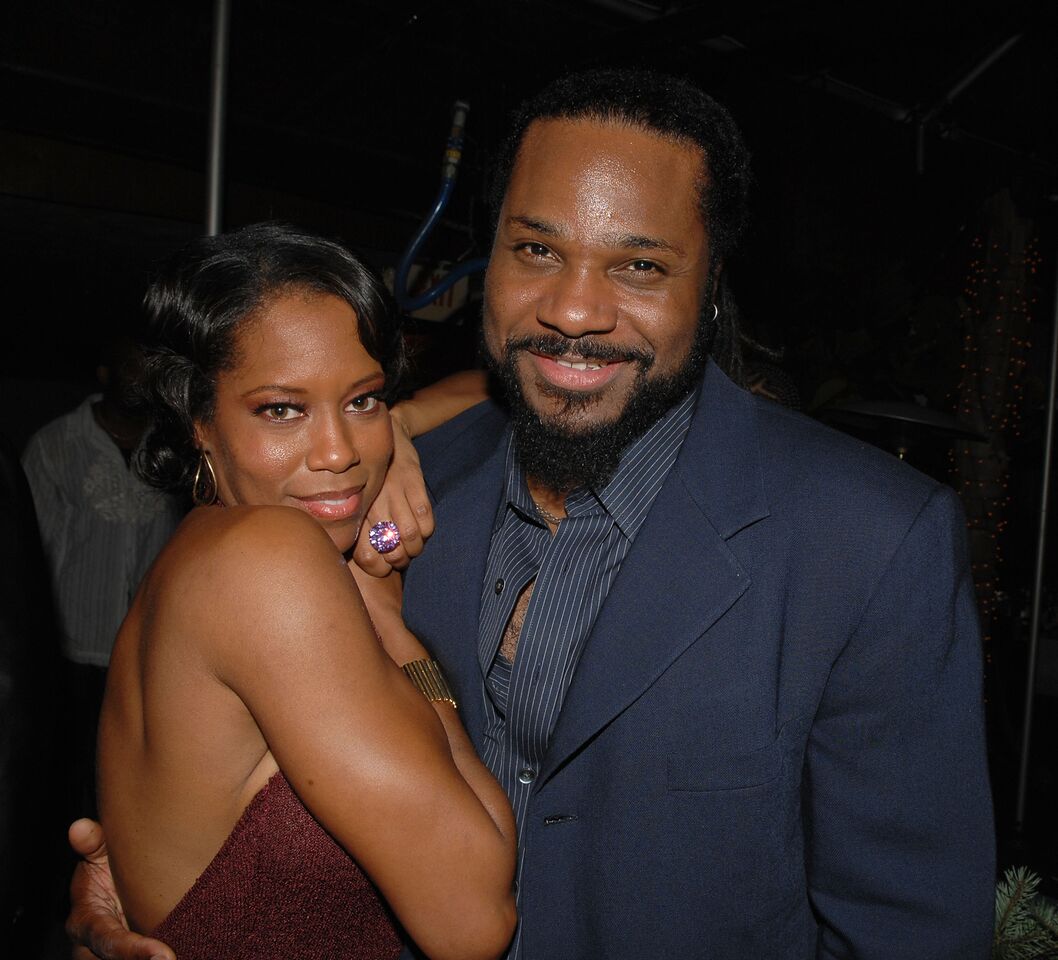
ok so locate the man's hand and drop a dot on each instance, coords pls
(96, 923)
(403, 499)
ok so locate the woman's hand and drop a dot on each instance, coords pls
(404, 501)
(96, 923)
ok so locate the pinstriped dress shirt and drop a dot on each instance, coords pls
(573, 572)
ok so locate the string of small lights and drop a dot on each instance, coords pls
(997, 299)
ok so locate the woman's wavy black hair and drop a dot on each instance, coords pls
(194, 308)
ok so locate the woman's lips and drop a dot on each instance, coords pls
(333, 504)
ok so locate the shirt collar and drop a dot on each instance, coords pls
(631, 492)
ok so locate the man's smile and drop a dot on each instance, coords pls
(572, 372)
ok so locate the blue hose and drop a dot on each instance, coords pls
(453, 154)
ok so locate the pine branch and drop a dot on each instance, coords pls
(1018, 884)
(1026, 924)
(1046, 916)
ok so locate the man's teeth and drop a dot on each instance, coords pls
(579, 364)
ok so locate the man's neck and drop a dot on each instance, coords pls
(124, 429)
(550, 502)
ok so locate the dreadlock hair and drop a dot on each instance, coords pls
(676, 109)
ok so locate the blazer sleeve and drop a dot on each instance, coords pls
(901, 858)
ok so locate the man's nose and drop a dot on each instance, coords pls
(578, 302)
(333, 444)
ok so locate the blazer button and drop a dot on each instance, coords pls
(499, 586)
(528, 775)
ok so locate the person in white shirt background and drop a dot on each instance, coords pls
(101, 527)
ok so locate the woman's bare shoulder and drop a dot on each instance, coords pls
(277, 599)
(246, 537)
(229, 562)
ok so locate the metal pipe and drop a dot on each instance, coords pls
(449, 170)
(864, 98)
(930, 115)
(92, 86)
(633, 9)
(218, 104)
(1037, 598)
(981, 67)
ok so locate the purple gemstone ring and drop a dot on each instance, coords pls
(384, 536)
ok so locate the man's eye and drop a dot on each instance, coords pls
(535, 249)
(364, 404)
(643, 266)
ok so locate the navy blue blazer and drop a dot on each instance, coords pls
(773, 744)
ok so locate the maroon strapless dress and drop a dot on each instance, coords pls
(280, 888)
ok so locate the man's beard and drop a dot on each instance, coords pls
(555, 451)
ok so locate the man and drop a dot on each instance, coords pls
(741, 717)
(724, 661)
(101, 527)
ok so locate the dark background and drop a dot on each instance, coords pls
(338, 113)
(856, 267)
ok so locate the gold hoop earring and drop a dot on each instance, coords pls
(204, 488)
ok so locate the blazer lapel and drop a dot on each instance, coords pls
(645, 624)
(679, 577)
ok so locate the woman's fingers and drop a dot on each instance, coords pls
(404, 502)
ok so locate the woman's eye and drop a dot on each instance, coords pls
(364, 404)
(280, 411)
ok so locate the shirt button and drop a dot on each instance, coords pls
(499, 586)
(528, 775)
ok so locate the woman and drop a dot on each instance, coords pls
(253, 721)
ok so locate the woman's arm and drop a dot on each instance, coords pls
(392, 778)
(383, 598)
(403, 499)
(440, 402)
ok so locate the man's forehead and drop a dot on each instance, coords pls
(594, 135)
(615, 172)
(556, 148)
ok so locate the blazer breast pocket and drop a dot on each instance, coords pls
(725, 770)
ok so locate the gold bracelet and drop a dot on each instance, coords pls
(427, 676)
